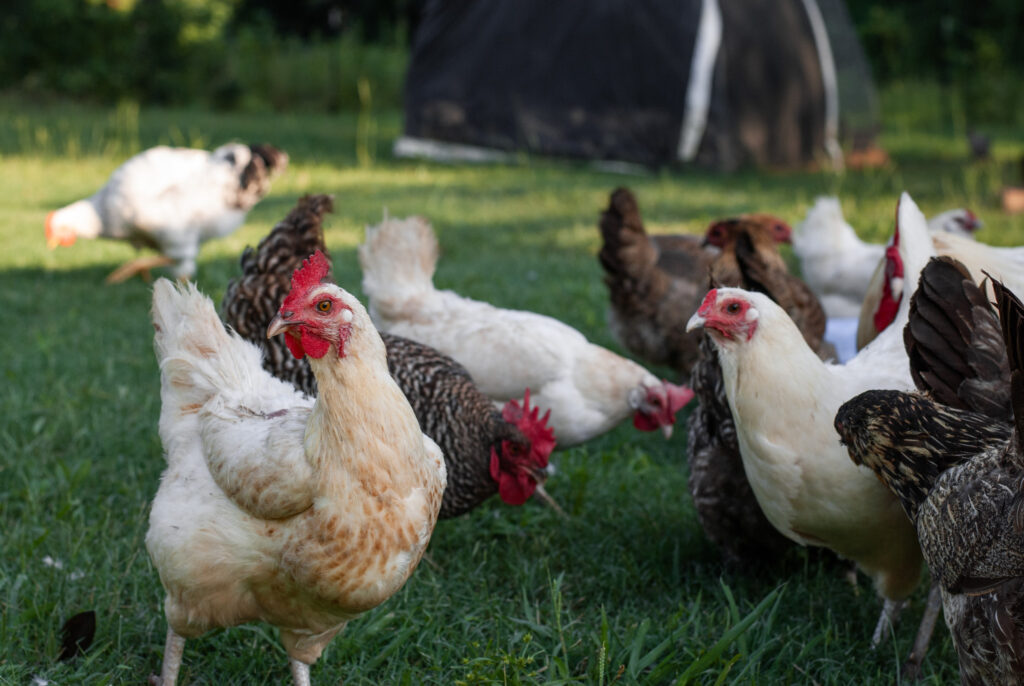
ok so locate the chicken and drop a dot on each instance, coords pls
(783, 399)
(171, 200)
(653, 281)
(838, 266)
(274, 507)
(959, 475)
(588, 389)
(486, 450)
(725, 504)
(1005, 264)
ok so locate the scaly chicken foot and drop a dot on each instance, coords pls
(887, 620)
(912, 667)
(300, 672)
(174, 648)
(140, 265)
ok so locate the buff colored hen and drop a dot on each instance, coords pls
(273, 507)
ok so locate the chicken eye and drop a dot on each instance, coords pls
(732, 308)
(324, 306)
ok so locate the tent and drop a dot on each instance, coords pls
(718, 83)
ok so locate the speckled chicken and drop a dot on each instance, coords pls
(959, 473)
(275, 507)
(722, 496)
(171, 200)
(486, 450)
(656, 282)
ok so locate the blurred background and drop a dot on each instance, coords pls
(945, 65)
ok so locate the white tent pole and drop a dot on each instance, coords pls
(828, 80)
(698, 90)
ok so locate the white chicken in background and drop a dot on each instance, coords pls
(273, 507)
(588, 389)
(783, 400)
(1003, 264)
(171, 200)
(838, 265)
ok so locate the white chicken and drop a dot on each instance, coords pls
(838, 265)
(275, 508)
(1004, 264)
(783, 400)
(588, 389)
(171, 200)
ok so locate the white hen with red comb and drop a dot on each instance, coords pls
(784, 399)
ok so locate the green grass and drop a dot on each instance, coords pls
(626, 590)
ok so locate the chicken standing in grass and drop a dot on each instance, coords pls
(171, 200)
(725, 503)
(486, 450)
(959, 473)
(274, 507)
(655, 282)
(588, 389)
(783, 399)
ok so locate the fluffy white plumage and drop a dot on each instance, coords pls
(784, 400)
(172, 200)
(275, 507)
(838, 265)
(588, 389)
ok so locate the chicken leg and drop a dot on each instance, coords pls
(173, 650)
(300, 672)
(890, 613)
(912, 667)
(136, 266)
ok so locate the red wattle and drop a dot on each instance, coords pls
(315, 347)
(295, 346)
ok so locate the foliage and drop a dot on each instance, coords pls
(973, 46)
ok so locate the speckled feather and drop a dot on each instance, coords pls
(960, 477)
(450, 409)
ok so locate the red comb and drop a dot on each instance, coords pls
(709, 302)
(315, 270)
(533, 426)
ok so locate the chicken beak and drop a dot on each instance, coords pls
(666, 429)
(52, 242)
(279, 325)
(696, 322)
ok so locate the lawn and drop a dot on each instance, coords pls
(626, 589)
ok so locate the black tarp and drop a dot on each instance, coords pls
(607, 79)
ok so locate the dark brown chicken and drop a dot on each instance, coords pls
(656, 282)
(959, 473)
(486, 450)
(725, 503)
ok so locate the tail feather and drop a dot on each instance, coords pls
(627, 253)
(954, 343)
(252, 300)
(198, 358)
(398, 259)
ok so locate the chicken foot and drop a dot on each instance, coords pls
(139, 265)
(173, 650)
(912, 667)
(890, 613)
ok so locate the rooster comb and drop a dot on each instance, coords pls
(315, 270)
(534, 427)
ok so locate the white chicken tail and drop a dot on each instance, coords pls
(198, 358)
(398, 259)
